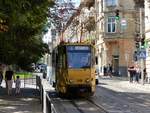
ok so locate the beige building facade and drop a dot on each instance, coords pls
(81, 26)
(116, 36)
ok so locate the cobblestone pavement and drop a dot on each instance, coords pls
(124, 85)
(26, 102)
(118, 95)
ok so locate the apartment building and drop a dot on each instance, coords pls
(81, 26)
(117, 27)
(147, 33)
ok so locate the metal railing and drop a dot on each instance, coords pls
(49, 106)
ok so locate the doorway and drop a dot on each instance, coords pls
(115, 64)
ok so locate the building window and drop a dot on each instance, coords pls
(111, 2)
(111, 25)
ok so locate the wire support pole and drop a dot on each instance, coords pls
(141, 36)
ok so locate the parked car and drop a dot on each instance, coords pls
(41, 68)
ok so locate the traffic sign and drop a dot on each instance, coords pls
(141, 54)
(123, 22)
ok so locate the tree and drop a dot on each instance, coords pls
(90, 25)
(21, 44)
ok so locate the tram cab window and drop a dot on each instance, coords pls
(79, 58)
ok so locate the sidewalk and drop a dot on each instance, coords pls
(125, 85)
(27, 102)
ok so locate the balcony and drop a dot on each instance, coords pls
(110, 5)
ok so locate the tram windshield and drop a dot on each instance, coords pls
(79, 56)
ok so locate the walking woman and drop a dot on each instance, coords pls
(8, 77)
(132, 72)
(137, 69)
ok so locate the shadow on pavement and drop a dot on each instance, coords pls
(28, 101)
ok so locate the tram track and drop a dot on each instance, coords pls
(98, 105)
(75, 105)
(88, 106)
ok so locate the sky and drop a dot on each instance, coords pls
(46, 37)
(77, 3)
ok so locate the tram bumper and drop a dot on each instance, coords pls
(80, 89)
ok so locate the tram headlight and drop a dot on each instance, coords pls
(88, 80)
(71, 81)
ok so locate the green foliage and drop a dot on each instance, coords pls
(22, 43)
(23, 75)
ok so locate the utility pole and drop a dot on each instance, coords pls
(81, 33)
(141, 36)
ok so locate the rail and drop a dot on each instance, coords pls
(49, 106)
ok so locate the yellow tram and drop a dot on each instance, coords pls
(74, 68)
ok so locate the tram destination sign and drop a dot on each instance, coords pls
(85, 48)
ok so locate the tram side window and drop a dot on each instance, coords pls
(56, 60)
(96, 60)
(59, 61)
(63, 60)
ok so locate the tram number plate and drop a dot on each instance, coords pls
(82, 89)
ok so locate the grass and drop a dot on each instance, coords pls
(23, 75)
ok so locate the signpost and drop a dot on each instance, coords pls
(142, 53)
(127, 58)
(123, 23)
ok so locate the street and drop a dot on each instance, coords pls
(55, 49)
(120, 96)
(113, 95)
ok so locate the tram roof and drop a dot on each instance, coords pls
(75, 43)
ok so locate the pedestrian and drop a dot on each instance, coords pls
(1, 74)
(1, 77)
(105, 71)
(145, 74)
(110, 70)
(131, 72)
(9, 75)
(137, 73)
(44, 75)
(17, 84)
(148, 77)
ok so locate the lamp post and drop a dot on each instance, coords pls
(141, 36)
